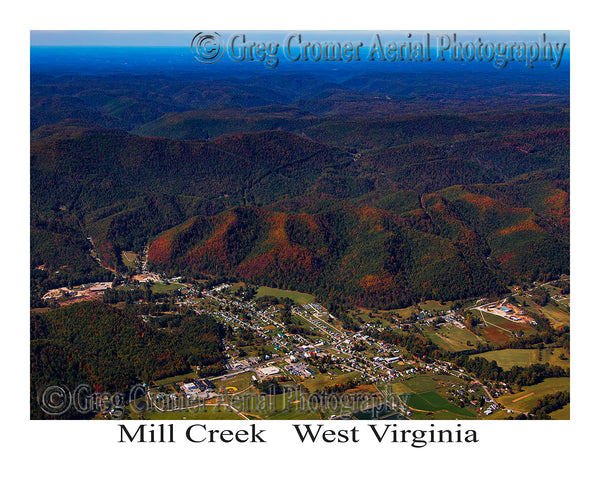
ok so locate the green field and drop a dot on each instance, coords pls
(435, 306)
(178, 378)
(562, 414)
(163, 288)
(130, 259)
(297, 297)
(322, 380)
(452, 338)
(517, 402)
(556, 315)
(238, 382)
(523, 357)
(434, 402)
(503, 323)
(204, 413)
(428, 401)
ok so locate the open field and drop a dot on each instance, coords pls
(428, 400)
(400, 313)
(298, 297)
(562, 414)
(524, 402)
(505, 324)
(204, 413)
(434, 402)
(451, 338)
(523, 357)
(322, 380)
(178, 378)
(427, 383)
(495, 335)
(130, 258)
(237, 382)
(285, 406)
(556, 315)
(163, 288)
(435, 306)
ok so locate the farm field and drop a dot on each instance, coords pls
(434, 402)
(562, 414)
(508, 358)
(428, 399)
(503, 323)
(452, 338)
(298, 297)
(322, 380)
(525, 400)
(495, 335)
(556, 315)
(286, 406)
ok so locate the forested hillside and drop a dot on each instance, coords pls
(112, 350)
(371, 192)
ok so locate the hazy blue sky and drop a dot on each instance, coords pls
(183, 37)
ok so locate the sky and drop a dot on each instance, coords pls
(183, 37)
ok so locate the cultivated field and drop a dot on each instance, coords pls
(556, 315)
(524, 401)
(322, 380)
(451, 338)
(508, 358)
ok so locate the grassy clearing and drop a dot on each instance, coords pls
(237, 382)
(556, 315)
(503, 323)
(130, 259)
(322, 380)
(524, 357)
(421, 383)
(175, 379)
(298, 297)
(452, 338)
(164, 288)
(434, 402)
(203, 413)
(524, 401)
(435, 306)
(562, 414)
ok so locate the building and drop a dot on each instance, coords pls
(269, 371)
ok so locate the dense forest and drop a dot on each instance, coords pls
(362, 192)
(111, 350)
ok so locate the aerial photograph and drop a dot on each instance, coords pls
(299, 225)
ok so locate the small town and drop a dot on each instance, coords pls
(299, 354)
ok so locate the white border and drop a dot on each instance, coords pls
(507, 449)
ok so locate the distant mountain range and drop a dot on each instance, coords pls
(362, 191)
